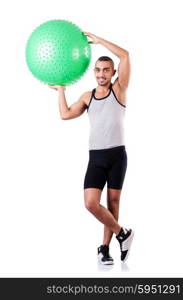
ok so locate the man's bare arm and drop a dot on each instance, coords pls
(122, 54)
(124, 64)
(76, 109)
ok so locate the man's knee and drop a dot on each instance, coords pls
(113, 201)
(91, 205)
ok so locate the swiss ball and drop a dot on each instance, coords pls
(58, 52)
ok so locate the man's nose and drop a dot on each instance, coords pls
(101, 73)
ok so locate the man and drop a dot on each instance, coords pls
(106, 106)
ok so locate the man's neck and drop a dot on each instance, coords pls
(103, 88)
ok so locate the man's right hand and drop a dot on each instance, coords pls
(57, 87)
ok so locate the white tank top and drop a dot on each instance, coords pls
(106, 116)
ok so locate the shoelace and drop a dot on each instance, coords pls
(125, 230)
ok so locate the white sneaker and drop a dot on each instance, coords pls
(125, 238)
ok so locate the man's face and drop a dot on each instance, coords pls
(104, 71)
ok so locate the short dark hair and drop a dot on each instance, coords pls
(106, 58)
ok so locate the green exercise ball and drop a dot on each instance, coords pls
(58, 52)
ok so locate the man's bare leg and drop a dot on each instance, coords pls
(92, 198)
(113, 199)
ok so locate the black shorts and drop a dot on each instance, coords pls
(106, 165)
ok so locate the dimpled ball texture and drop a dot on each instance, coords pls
(58, 53)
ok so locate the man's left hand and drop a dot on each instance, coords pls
(95, 39)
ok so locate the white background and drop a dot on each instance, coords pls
(45, 230)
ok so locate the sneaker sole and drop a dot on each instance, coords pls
(129, 241)
(104, 262)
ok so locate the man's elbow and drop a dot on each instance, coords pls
(64, 118)
(124, 54)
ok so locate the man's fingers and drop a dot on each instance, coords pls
(52, 87)
(88, 33)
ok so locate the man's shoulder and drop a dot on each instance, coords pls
(86, 96)
(119, 92)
